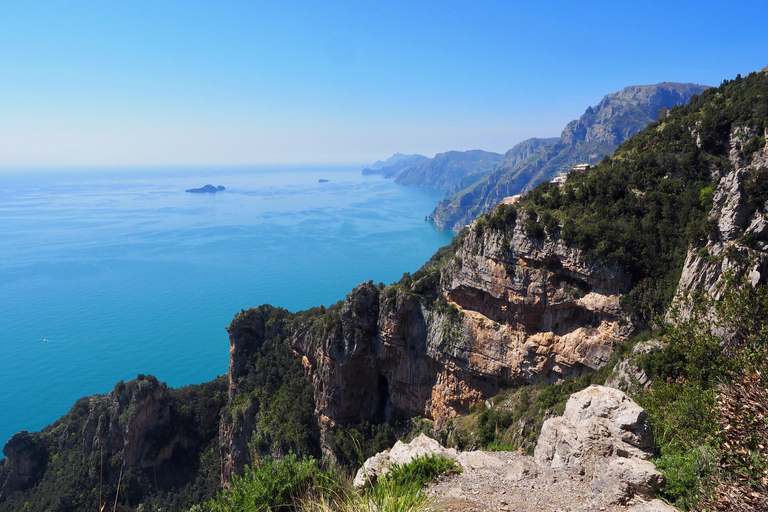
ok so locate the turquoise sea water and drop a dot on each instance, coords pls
(125, 273)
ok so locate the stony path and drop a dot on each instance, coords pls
(512, 482)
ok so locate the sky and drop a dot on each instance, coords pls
(118, 83)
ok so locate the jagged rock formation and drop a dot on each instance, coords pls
(141, 435)
(738, 244)
(505, 310)
(28, 455)
(588, 139)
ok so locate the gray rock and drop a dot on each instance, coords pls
(628, 372)
(401, 453)
(604, 436)
(654, 506)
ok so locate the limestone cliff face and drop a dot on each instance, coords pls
(509, 311)
(124, 421)
(28, 456)
(142, 433)
(738, 245)
(246, 334)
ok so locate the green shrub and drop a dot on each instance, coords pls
(686, 473)
(422, 470)
(275, 485)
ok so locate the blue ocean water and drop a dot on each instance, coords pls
(122, 272)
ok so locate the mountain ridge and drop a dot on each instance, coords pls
(596, 134)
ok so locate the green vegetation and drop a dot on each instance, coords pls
(75, 480)
(422, 470)
(293, 484)
(643, 208)
(275, 485)
(707, 403)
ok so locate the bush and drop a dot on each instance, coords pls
(422, 470)
(275, 485)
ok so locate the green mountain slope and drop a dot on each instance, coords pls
(588, 139)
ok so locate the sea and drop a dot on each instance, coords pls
(110, 273)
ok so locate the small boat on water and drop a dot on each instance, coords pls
(46, 340)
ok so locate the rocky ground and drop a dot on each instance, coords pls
(512, 482)
(592, 458)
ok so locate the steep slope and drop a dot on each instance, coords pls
(594, 135)
(155, 444)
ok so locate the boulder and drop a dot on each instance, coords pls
(603, 435)
(401, 453)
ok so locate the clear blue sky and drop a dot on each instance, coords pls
(256, 82)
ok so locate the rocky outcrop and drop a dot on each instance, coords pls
(591, 458)
(628, 373)
(129, 422)
(508, 311)
(28, 456)
(602, 435)
(737, 247)
(142, 435)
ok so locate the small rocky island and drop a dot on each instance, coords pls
(208, 189)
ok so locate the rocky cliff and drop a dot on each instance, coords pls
(502, 310)
(588, 139)
(142, 435)
(738, 244)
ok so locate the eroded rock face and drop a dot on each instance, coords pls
(509, 311)
(739, 245)
(29, 457)
(131, 421)
(603, 435)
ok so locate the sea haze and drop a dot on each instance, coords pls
(125, 273)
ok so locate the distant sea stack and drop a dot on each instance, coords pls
(208, 189)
